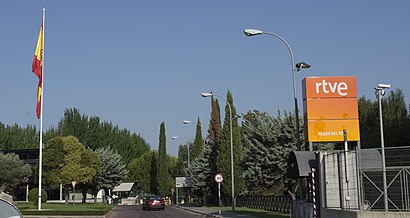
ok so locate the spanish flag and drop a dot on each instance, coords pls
(37, 68)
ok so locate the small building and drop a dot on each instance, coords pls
(125, 193)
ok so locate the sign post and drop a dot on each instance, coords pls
(219, 179)
(73, 184)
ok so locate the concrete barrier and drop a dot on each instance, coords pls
(362, 214)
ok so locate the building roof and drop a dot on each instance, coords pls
(123, 187)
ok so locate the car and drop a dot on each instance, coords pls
(154, 202)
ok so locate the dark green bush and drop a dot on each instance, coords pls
(33, 196)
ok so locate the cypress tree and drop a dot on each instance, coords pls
(224, 151)
(162, 163)
(214, 132)
(198, 147)
(154, 174)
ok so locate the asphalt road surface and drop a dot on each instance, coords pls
(135, 211)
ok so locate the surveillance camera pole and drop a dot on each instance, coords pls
(379, 94)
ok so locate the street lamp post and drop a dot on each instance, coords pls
(379, 94)
(295, 68)
(176, 137)
(205, 94)
(187, 122)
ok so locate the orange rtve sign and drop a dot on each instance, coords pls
(330, 87)
(330, 105)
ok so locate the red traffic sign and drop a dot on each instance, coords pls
(73, 183)
(218, 178)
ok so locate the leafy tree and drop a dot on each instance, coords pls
(396, 121)
(173, 170)
(52, 162)
(162, 163)
(12, 171)
(74, 163)
(112, 170)
(140, 171)
(224, 150)
(12, 137)
(96, 134)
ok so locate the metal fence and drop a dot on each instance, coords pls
(397, 174)
(270, 203)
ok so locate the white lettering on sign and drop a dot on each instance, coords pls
(341, 88)
(334, 133)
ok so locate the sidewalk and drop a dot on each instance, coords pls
(210, 212)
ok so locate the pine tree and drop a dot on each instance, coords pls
(200, 172)
(162, 163)
(268, 141)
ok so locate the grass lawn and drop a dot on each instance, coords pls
(255, 212)
(65, 209)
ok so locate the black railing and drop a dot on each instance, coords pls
(270, 203)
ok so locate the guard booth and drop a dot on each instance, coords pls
(300, 165)
(125, 194)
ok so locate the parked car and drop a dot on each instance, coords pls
(154, 202)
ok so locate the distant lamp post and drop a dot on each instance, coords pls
(206, 94)
(175, 138)
(379, 91)
(295, 68)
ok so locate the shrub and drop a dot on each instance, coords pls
(33, 196)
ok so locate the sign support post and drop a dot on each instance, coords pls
(73, 184)
(219, 179)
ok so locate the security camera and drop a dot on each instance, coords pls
(384, 86)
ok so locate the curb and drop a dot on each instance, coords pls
(207, 214)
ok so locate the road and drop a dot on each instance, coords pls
(135, 211)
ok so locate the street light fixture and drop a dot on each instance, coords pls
(295, 68)
(187, 122)
(175, 138)
(379, 91)
(207, 94)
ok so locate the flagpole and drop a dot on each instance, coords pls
(40, 161)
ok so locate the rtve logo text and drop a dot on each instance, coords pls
(340, 88)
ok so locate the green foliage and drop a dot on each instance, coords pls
(198, 146)
(201, 175)
(214, 133)
(163, 185)
(154, 174)
(224, 150)
(33, 196)
(182, 160)
(12, 137)
(396, 121)
(12, 171)
(140, 171)
(111, 171)
(52, 160)
(268, 141)
(96, 134)
(73, 162)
